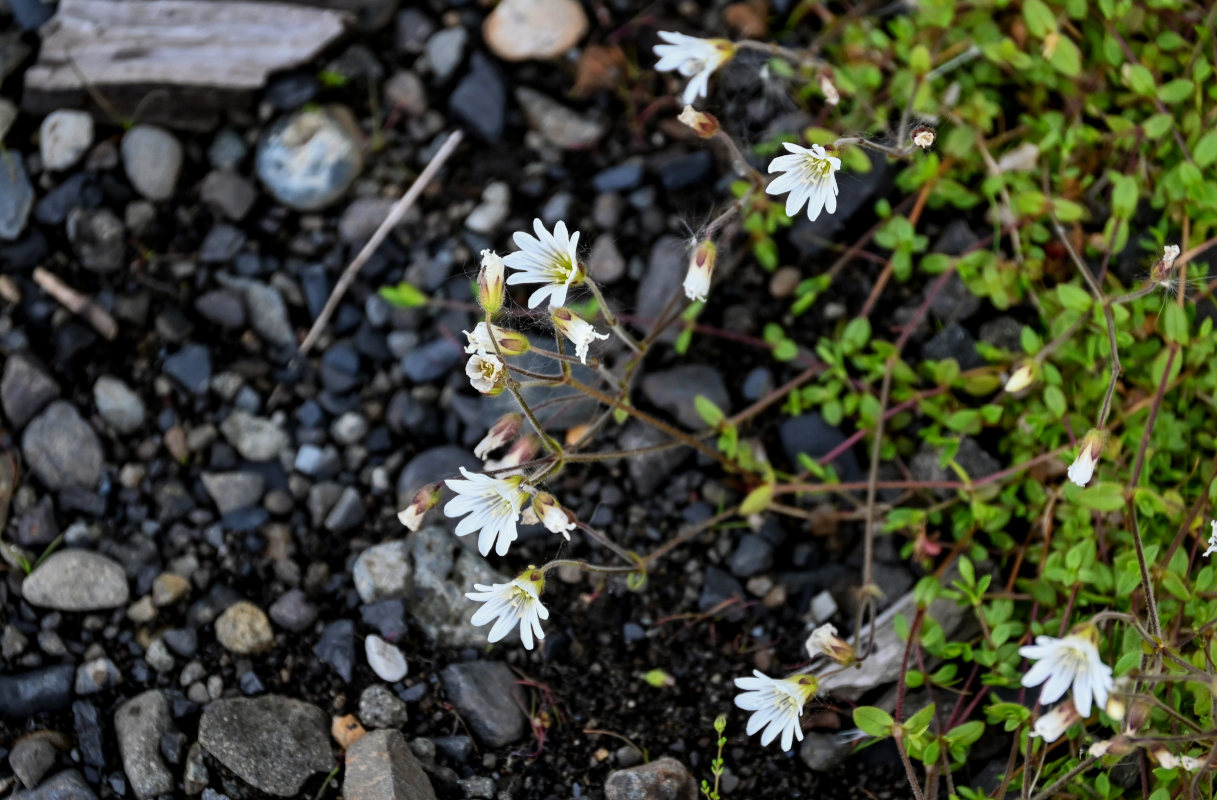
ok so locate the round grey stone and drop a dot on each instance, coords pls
(76, 580)
(309, 159)
(383, 572)
(118, 404)
(64, 137)
(62, 450)
(152, 158)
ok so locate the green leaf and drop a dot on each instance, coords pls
(1054, 398)
(919, 723)
(1205, 151)
(404, 295)
(857, 333)
(919, 59)
(1176, 91)
(1174, 322)
(1102, 497)
(785, 350)
(710, 413)
(1040, 19)
(757, 500)
(874, 721)
(1073, 297)
(1139, 79)
(1066, 57)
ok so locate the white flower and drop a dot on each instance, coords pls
(701, 269)
(552, 515)
(1071, 661)
(493, 506)
(511, 343)
(518, 602)
(1023, 376)
(810, 177)
(579, 331)
(825, 641)
(693, 58)
(490, 282)
(1212, 540)
(505, 429)
(1082, 468)
(550, 259)
(485, 372)
(776, 705)
(1053, 724)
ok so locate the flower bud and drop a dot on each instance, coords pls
(1052, 725)
(923, 138)
(703, 124)
(701, 269)
(1116, 707)
(1116, 746)
(1082, 468)
(510, 343)
(504, 430)
(553, 516)
(824, 641)
(487, 373)
(490, 283)
(426, 499)
(1023, 376)
(831, 95)
(578, 330)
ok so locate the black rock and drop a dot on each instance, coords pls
(90, 734)
(457, 748)
(337, 647)
(650, 471)
(340, 369)
(290, 90)
(388, 617)
(430, 466)
(480, 99)
(293, 611)
(190, 367)
(222, 307)
(98, 237)
(31, 14)
(810, 434)
(683, 171)
(347, 513)
(76, 192)
(183, 641)
(486, 695)
(28, 693)
(25, 390)
(251, 684)
(956, 238)
(221, 244)
(675, 390)
(413, 29)
(625, 176)
(719, 587)
(68, 785)
(955, 342)
(433, 360)
(753, 555)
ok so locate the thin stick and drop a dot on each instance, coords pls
(394, 217)
(77, 303)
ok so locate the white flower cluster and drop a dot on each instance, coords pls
(1070, 662)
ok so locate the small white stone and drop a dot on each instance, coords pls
(385, 659)
(823, 607)
(64, 137)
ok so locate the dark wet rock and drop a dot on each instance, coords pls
(650, 471)
(152, 158)
(183, 641)
(63, 138)
(666, 267)
(340, 368)
(753, 555)
(336, 647)
(77, 191)
(388, 617)
(433, 360)
(926, 465)
(955, 342)
(457, 748)
(442, 570)
(96, 676)
(62, 450)
(956, 238)
(233, 491)
(25, 694)
(37, 527)
(811, 435)
(221, 244)
(684, 170)
(118, 405)
(380, 708)
(31, 758)
(290, 90)
(383, 572)
(309, 159)
(621, 178)
(139, 724)
(67, 785)
(273, 743)
(662, 779)
(228, 193)
(190, 367)
(16, 196)
(718, 588)
(90, 736)
(413, 29)
(347, 513)
(293, 611)
(362, 217)
(674, 391)
(227, 150)
(480, 99)
(487, 697)
(76, 580)
(244, 629)
(266, 309)
(99, 239)
(406, 414)
(222, 307)
(25, 390)
(430, 466)
(954, 302)
(255, 438)
(379, 766)
(1004, 332)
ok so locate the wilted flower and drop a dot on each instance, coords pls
(703, 124)
(831, 95)
(1023, 376)
(550, 258)
(923, 138)
(490, 283)
(810, 175)
(1162, 269)
(1051, 725)
(693, 58)
(486, 372)
(505, 429)
(1082, 468)
(1071, 661)
(492, 505)
(511, 604)
(824, 641)
(701, 270)
(578, 330)
(511, 343)
(776, 704)
(424, 500)
(1212, 548)
(525, 449)
(552, 515)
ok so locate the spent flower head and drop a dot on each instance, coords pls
(552, 515)
(512, 604)
(923, 138)
(510, 343)
(548, 258)
(578, 330)
(1072, 661)
(1091, 450)
(424, 500)
(490, 506)
(1051, 725)
(810, 176)
(505, 429)
(703, 124)
(776, 705)
(694, 58)
(824, 641)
